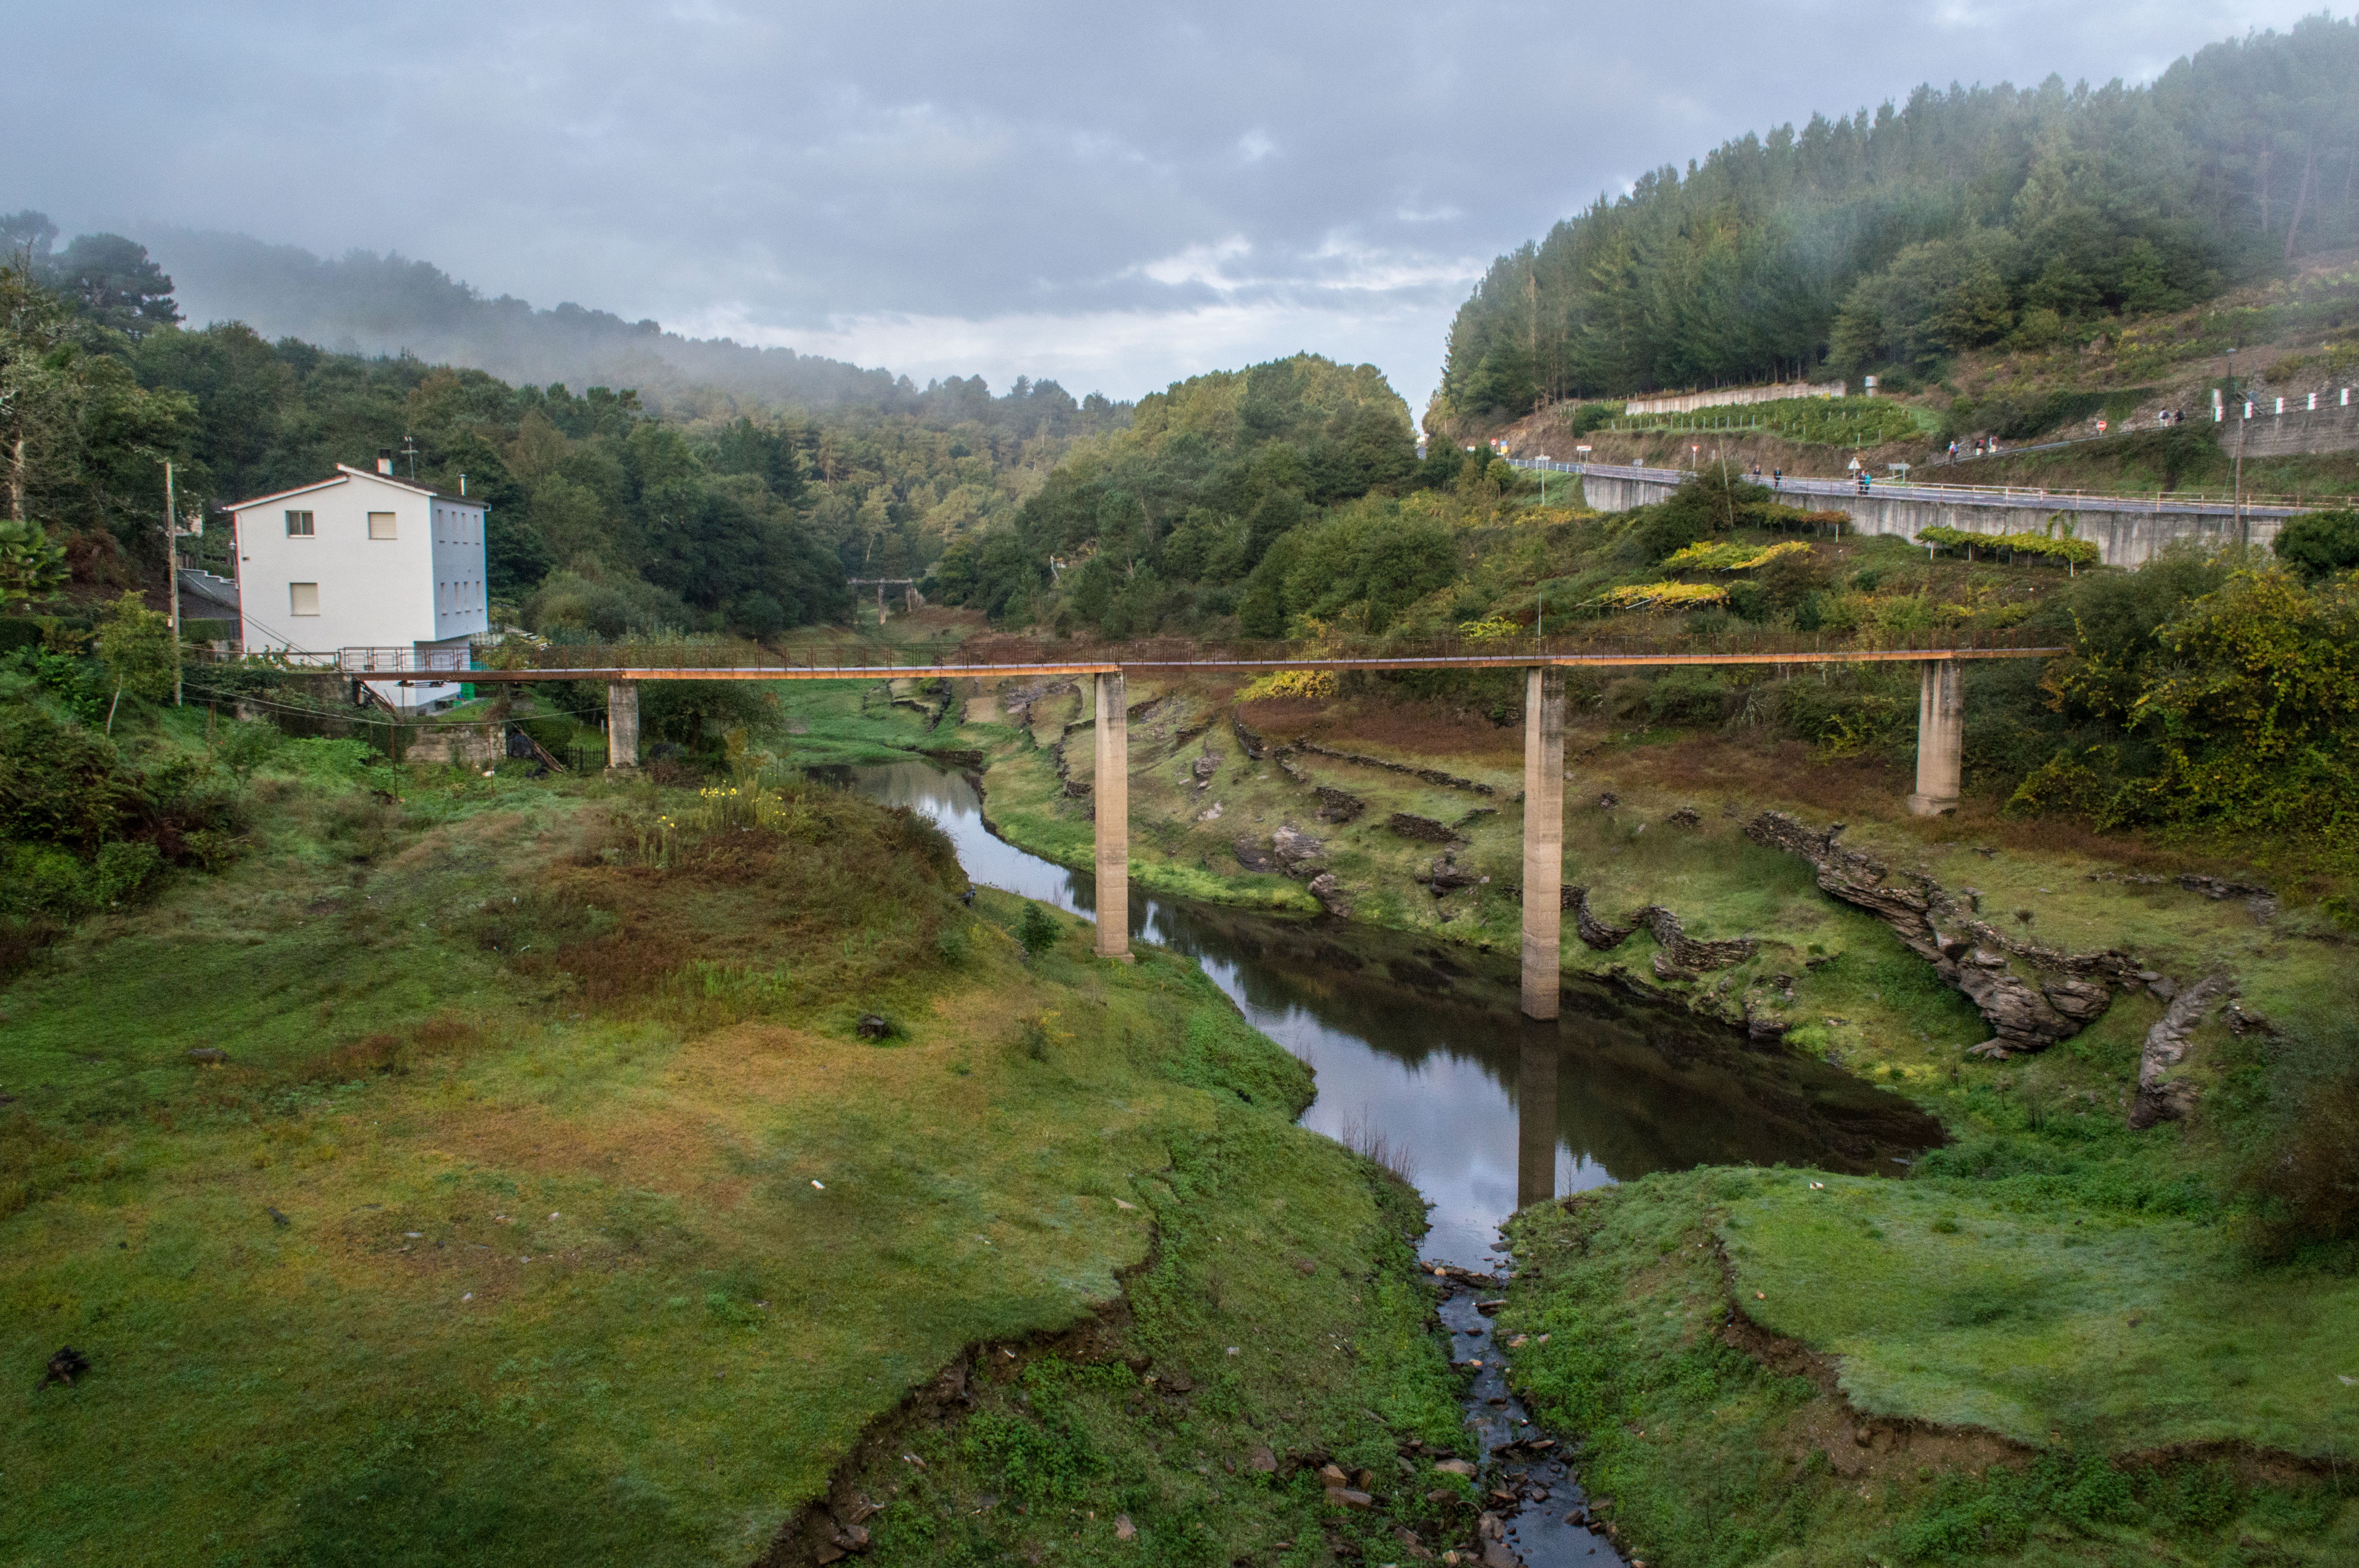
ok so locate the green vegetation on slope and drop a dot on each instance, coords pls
(1154, 527)
(1139, 1438)
(1961, 219)
(605, 516)
(1715, 1446)
(477, 1168)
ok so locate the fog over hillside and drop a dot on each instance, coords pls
(389, 304)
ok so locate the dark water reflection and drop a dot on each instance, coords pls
(1420, 1045)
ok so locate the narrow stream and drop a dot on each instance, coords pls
(1423, 1058)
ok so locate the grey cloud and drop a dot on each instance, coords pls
(1050, 188)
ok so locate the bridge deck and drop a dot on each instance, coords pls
(380, 664)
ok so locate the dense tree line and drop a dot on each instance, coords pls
(1162, 525)
(603, 514)
(1961, 218)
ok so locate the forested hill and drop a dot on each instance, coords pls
(1968, 217)
(606, 515)
(1159, 525)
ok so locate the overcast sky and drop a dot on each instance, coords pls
(1115, 196)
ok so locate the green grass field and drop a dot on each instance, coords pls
(548, 1206)
(1908, 1418)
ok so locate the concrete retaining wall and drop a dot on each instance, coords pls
(1730, 397)
(2126, 533)
(2331, 427)
(476, 744)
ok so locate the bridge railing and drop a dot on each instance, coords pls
(981, 654)
(1581, 642)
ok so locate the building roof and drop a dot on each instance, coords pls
(346, 472)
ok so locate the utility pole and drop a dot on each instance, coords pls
(172, 559)
(2244, 417)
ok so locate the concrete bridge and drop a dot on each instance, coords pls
(1940, 723)
(2128, 531)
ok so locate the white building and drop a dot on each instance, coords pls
(364, 561)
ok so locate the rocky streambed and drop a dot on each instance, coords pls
(1534, 1509)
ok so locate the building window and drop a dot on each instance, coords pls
(380, 525)
(303, 598)
(299, 525)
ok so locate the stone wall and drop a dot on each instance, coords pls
(479, 746)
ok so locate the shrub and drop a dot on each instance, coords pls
(1037, 1462)
(60, 784)
(2320, 545)
(1038, 930)
(1688, 696)
(2300, 1187)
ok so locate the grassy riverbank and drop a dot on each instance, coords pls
(2057, 1339)
(493, 1171)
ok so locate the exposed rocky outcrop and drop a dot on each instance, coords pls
(2160, 1096)
(2055, 1003)
(2260, 900)
(1429, 775)
(1594, 932)
(1252, 855)
(1075, 788)
(1338, 806)
(1447, 876)
(1248, 736)
(1329, 893)
(1680, 955)
(1018, 700)
(1297, 849)
(1425, 830)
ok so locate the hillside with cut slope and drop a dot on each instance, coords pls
(1893, 240)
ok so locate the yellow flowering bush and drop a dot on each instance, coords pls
(1313, 684)
(1665, 596)
(1726, 556)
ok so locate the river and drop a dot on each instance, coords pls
(1424, 1061)
(1422, 1056)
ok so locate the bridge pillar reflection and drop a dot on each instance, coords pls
(1536, 1077)
(623, 724)
(1543, 839)
(1110, 799)
(1940, 738)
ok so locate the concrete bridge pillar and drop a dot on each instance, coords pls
(1940, 738)
(1111, 793)
(623, 724)
(1536, 1079)
(1543, 839)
